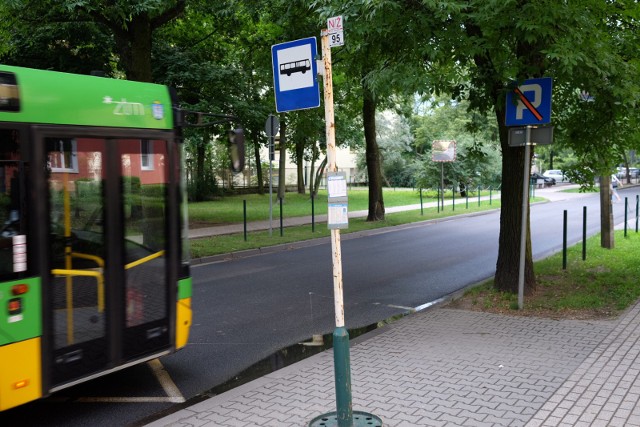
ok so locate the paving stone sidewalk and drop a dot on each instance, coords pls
(446, 367)
(605, 389)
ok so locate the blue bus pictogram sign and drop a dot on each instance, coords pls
(295, 75)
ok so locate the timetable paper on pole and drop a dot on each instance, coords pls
(337, 216)
(336, 184)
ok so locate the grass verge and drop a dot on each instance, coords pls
(216, 245)
(229, 209)
(600, 287)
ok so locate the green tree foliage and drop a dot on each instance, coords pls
(132, 24)
(376, 63)
(396, 151)
(491, 47)
(41, 35)
(599, 103)
(129, 26)
(477, 146)
(217, 56)
(597, 106)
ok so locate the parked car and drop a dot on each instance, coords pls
(548, 182)
(622, 172)
(556, 174)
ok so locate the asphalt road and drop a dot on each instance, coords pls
(247, 309)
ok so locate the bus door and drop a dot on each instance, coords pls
(144, 177)
(108, 281)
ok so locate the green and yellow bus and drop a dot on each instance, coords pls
(94, 273)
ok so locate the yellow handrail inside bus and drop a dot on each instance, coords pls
(70, 273)
(143, 260)
(94, 258)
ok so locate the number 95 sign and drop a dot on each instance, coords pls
(336, 33)
(336, 39)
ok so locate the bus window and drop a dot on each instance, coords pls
(144, 198)
(78, 258)
(11, 210)
(9, 96)
(62, 155)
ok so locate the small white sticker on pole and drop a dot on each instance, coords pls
(335, 31)
(336, 39)
(334, 25)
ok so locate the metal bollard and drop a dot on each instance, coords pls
(244, 215)
(564, 241)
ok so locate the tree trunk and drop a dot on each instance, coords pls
(200, 154)
(508, 264)
(606, 213)
(376, 202)
(282, 172)
(300, 143)
(312, 168)
(626, 167)
(318, 177)
(133, 44)
(140, 39)
(133, 35)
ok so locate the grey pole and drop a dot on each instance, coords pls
(523, 229)
(442, 182)
(271, 147)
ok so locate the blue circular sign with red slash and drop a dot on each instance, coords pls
(529, 103)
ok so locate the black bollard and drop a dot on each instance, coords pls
(584, 233)
(626, 215)
(281, 231)
(637, 199)
(453, 198)
(313, 214)
(564, 241)
(244, 215)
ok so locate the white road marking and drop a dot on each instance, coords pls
(401, 307)
(131, 399)
(165, 380)
(169, 387)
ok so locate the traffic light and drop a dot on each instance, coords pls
(236, 149)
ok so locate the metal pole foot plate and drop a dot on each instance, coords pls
(360, 419)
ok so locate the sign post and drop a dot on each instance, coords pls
(523, 219)
(340, 335)
(344, 416)
(529, 104)
(271, 127)
(443, 151)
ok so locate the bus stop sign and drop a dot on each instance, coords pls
(295, 75)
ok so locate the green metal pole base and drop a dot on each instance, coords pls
(342, 370)
(344, 416)
(360, 418)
